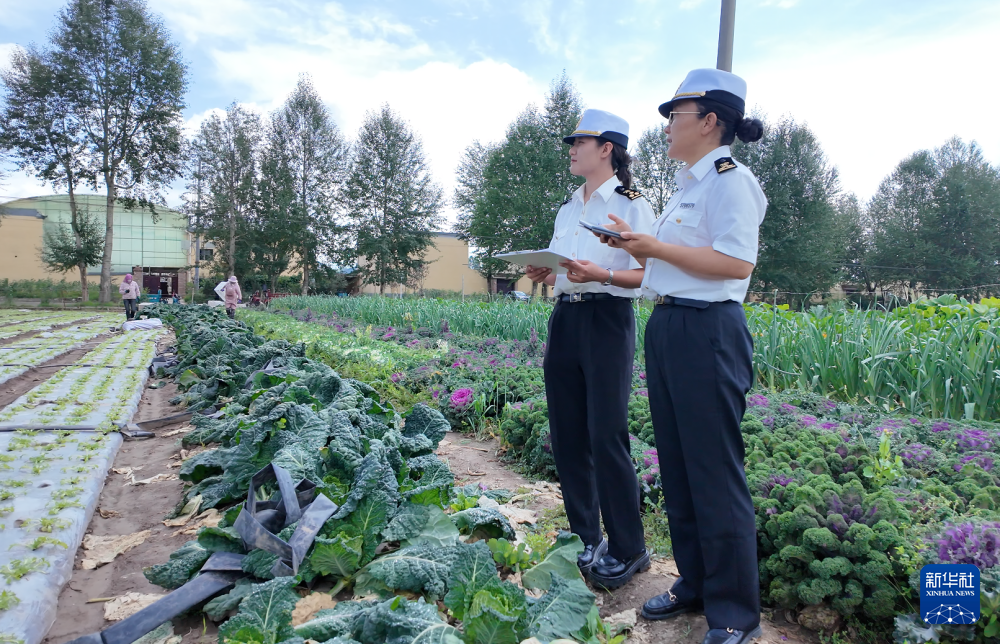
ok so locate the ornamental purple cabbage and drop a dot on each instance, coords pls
(969, 543)
(758, 400)
(974, 440)
(915, 454)
(461, 398)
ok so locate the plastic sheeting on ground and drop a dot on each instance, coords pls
(63, 494)
(106, 387)
(151, 323)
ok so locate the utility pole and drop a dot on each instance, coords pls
(197, 234)
(727, 25)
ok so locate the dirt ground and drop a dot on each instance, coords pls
(131, 509)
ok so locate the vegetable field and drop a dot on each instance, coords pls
(854, 491)
(312, 450)
(934, 357)
(419, 558)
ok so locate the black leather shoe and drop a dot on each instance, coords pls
(730, 636)
(612, 573)
(666, 606)
(591, 555)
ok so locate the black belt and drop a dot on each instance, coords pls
(670, 300)
(588, 297)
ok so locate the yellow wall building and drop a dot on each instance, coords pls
(448, 270)
(159, 249)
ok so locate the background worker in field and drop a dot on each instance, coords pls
(233, 296)
(130, 292)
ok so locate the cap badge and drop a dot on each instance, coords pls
(724, 165)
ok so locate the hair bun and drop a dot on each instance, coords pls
(750, 130)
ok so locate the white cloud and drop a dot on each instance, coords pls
(871, 104)
(357, 64)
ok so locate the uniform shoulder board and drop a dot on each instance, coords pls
(631, 194)
(724, 164)
(568, 199)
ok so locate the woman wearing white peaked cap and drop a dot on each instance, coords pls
(590, 352)
(699, 354)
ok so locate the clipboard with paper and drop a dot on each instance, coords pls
(544, 258)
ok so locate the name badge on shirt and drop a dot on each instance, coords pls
(686, 206)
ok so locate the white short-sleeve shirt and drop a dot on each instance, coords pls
(571, 240)
(723, 210)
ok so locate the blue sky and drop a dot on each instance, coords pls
(876, 81)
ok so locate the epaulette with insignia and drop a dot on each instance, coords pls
(724, 165)
(566, 202)
(631, 194)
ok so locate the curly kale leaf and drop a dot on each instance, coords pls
(415, 524)
(421, 569)
(473, 569)
(400, 621)
(218, 608)
(424, 421)
(560, 560)
(430, 481)
(485, 523)
(338, 557)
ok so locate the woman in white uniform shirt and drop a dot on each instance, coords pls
(699, 355)
(590, 352)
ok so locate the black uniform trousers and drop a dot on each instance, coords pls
(699, 368)
(588, 378)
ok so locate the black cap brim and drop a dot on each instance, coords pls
(719, 96)
(614, 137)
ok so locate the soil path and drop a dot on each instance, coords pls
(477, 461)
(131, 509)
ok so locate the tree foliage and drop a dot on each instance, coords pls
(227, 153)
(390, 201)
(308, 149)
(802, 238)
(124, 80)
(653, 171)
(509, 193)
(934, 221)
(38, 123)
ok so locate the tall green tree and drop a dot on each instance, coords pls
(390, 201)
(802, 240)
(936, 221)
(315, 155)
(899, 211)
(563, 110)
(227, 157)
(653, 171)
(509, 194)
(270, 245)
(48, 140)
(125, 81)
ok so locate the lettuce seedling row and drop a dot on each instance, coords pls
(50, 481)
(18, 357)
